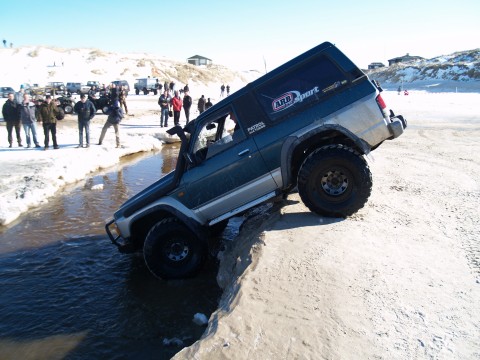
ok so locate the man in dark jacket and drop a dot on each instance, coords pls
(201, 104)
(85, 111)
(164, 101)
(11, 114)
(47, 114)
(187, 104)
(115, 115)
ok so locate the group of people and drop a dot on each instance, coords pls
(26, 113)
(172, 106)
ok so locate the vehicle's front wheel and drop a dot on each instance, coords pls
(145, 91)
(137, 91)
(172, 251)
(334, 181)
(68, 109)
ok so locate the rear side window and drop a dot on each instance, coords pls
(303, 86)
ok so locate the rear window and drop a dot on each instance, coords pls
(304, 86)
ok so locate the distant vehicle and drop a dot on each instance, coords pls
(5, 90)
(56, 87)
(66, 103)
(74, 87)
(122, 83)
(94, 83)
(146, 85)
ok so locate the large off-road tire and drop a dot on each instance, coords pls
(137, 91)
(334, 181)
(172, 251)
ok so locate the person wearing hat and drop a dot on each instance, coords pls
(47, 114)
(85, 111)
(115, 115)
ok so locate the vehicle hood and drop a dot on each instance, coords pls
(152, 193)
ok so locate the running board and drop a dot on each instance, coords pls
(242, 208)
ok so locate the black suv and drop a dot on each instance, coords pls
(307, 124)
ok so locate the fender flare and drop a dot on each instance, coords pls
(292, 142)
(191, 222)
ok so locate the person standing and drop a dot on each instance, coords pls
(28, 118)
(201, 104)
(158, 86)
(208, 104)
(222, 90)
(164, 101)
(122, 96)
(228, 90)
(85, 111)
(187, 104)
(47, 114)
(177, 107)
(115, 115)
(12, 118)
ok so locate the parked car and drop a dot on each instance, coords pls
(122, 83)
(93, 83)
(74, 87)
(307, 125)
(56, 87)
(146, 85)
(5, 90)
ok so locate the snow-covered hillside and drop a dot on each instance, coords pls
(37, 64)
(459, 71)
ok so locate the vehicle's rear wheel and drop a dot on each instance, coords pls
(172, 251)
(137, 91)
(145, 91)
(334, 181)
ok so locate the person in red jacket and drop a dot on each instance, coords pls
(177, 107)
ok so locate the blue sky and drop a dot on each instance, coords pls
(242, 34)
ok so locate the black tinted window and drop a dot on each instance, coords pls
(303, 86)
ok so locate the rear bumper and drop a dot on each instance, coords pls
(397, 126)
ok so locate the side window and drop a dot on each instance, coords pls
(219, 133)
(303, 86)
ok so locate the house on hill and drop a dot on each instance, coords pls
(199, 60)
(403, 59)
(375, 65)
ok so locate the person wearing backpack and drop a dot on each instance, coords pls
(85, 111)
(115, 115)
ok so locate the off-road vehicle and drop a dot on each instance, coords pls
(307, 124)
(146, 85)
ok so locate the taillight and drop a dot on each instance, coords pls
(382, 105)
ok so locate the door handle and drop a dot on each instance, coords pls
(243, 152)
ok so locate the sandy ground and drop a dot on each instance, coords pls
(398, 280)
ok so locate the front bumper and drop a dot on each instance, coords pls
(122, 245)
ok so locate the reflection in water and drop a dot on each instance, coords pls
(68, 293)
